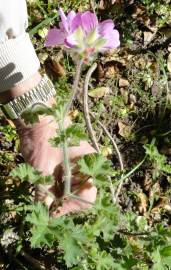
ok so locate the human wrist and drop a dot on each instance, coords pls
(21, 88)
(29, 96)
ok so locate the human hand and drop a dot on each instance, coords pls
(38, 152)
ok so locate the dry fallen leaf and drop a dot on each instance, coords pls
(111, 71)
(142, 206)
(57, 68)
(10, 123)
(73, 114)
(132, 99)
(106, 4)
(163, 203)
(124, 94)
(169, 63)
(124, 130)
(148, 36)
(147, 182)
(99, 92)
(123, 82)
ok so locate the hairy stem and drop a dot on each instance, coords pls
(90, 129)
(74, 87)
(66, 162)
(67, 170)
(86, 109)
(67, 165)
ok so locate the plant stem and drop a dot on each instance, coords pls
(67, 167)
(112, 141)
(67, 170)
(123, 177)
(74, 87)
(86, 109)
(111, 189)
(66, 162)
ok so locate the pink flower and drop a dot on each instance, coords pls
(82, 33)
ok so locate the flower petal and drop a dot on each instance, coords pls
(64, 23)
(92, 37)
(55, 37)
(70, 41)
(71, 15)
(106, 25)
(100, 44)
(76, 39)
(107, 31)
(76, 22)
(89, 21)
(112, 40)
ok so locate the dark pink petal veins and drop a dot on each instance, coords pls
(89, 21)
(55, 37)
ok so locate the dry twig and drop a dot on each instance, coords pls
(114, 194)
(112, 141)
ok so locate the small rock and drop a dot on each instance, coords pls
(148, 36)
(123, 82)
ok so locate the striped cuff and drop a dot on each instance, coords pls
(18, 61)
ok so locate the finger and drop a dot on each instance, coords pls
(88, 193)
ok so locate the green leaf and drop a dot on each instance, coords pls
(58, 140)
(166, 251)
(158, 264)
(158, 160)
(72, 250)
(95, 165)
(25, 172)
(102, 260)
(75, 133)
(31, 115)
(107, 217)
(71, 239)
(45, 229)
(39, 218)
(39, 215)
(41, 237)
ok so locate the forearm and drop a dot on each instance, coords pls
(18, 61)
(19, 64)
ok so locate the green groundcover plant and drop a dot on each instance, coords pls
(103, 237)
